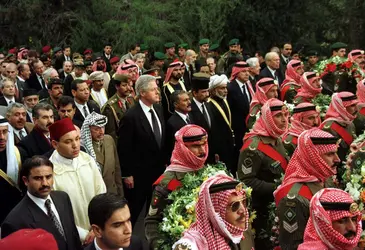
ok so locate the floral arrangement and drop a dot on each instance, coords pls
(322, 102)
(333, 64)
(180, 214)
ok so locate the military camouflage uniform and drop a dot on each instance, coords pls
(259, 171)
(114, 111)
(293, 213)
(49, 101)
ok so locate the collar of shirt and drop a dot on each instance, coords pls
(145, 108)
(39, 201)
(183, 116)
(21, 79)
(199, 104)
(16, 131)
(239, 83)
(286, 59)
(98, 248)
(81, 107)
(8, 100)
(272, 71)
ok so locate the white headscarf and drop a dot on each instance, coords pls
(12, 167)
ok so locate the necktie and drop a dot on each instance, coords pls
(21, 134)
(156, 128)
(16, 92)
(205, 114)
(10, 102)
(245, 97)
(188, 120)
(85, 111)
(42, 82)
(54, 218)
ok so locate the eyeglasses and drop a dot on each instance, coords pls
(237, 205)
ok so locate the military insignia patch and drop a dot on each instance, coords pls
(290, 228)
(247, 166)
(290, 214)
(152, 211)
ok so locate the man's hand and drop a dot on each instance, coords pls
(89, 238)
(129, 182)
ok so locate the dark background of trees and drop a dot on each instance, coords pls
(258, 24)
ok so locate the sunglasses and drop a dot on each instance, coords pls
(237, 205)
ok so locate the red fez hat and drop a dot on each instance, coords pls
(114, 59)
(29, 239)
(88, 51)
(46, 49)
(60, 128)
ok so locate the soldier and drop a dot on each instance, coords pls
(182, 48)
(266, 88)
(305, 116)
(311, 165)
(359, 121)
(338, 49)
(169, 53)
(334, 223)
(118, 104)
(189, 155)
(222, 65)
(203, 53)
(310, 88)
(173, 81)
(291, 84)
(339, 120)
(312, 61)
(262, 160)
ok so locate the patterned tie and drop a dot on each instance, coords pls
(188, 120)
(156, 128)
(54, 218)
(85, 111)
(21, 134)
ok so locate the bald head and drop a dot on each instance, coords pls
(11, 71)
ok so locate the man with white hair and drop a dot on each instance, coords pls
(222, 136)
(254, 70)
(48, 74)
(141, 145)
(9, 168)
(272, 69)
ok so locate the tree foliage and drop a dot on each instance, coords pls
(258, 24)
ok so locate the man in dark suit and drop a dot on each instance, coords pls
(182, 105)
(81, 93)
(239, 96)
(107, 234)
(8, 91)
(141, 145)
(65, 56)
(16, 115)
(107, 55)
(30, 99)
(37, 142)
(36, 80)
(12, 72)
(43, 208)
(286, 51)
(272, 69)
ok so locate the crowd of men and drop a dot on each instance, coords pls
(87, 140)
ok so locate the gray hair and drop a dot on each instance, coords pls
(253, 61)
(140, 56)
(190, 52)
(143, 84)
(12, 106)
(2, 82)
(270, 55)
(47, 73)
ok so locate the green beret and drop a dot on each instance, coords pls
(338, 45)
(159, 56)
(56, 49)
(312, 53)
(234, 41)
(183, 46)
(214, 47)
(204, 41)
(120, 78)
(87, 63)
(169, 45)
(144, 47)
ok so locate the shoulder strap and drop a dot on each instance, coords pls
(172, 185)
(362, 111)
(283, 91)
(346, 136)
(292, 191)
(273, 154)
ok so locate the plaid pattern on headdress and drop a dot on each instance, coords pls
(307, 90)
(337, 109)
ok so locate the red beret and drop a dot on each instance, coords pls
(114, 59)
(88, 51)
(12, 51)
(29, 239)
(46, 49)
(60, 128)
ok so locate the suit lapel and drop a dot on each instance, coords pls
(144, 121)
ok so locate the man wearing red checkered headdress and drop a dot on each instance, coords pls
(334, 223)
(310, 88)
(221, 217)
(189, 155)
(312, 164)
(262, 160)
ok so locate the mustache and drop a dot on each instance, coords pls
(350, 234)
(49, 124)
(44, 187)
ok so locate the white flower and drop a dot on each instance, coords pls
(353, 191)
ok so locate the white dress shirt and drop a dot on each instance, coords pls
(200, 106)
(272, 71)
(8, 100)
(41, 203)
(81, 108)
(146, 111)
(246, 92)
(17, 132)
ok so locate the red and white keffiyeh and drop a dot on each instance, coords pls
(211, 230)
(319, 233)
(355, 54)
(291, 75)
(127, 67)
(361, 91)
(337, 109)
(306, 164)
(182, 159)
(237, 68)
(296, 121)
(172, 66)
(95, 65)
(308, 91)
(262, 87)
(265, 125)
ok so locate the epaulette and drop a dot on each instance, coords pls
(255, 110)
(254, 143)
(327, 125)
(287, 139)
